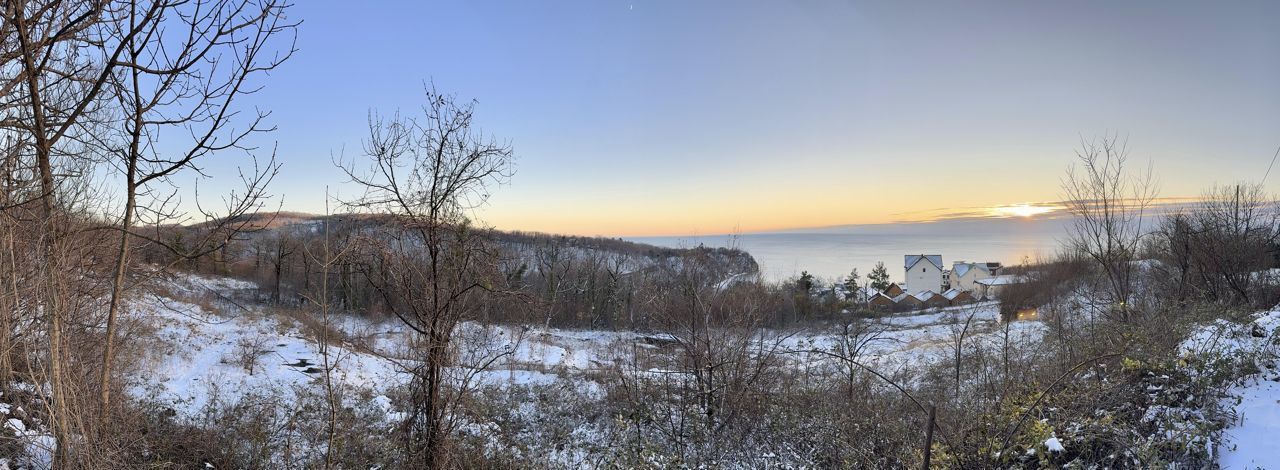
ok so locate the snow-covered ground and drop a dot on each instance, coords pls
(902, 341)
(222, 350)
(204, 347)
(1251, 443)
(37, 443)
(208, 343)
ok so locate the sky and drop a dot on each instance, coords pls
(634, 118)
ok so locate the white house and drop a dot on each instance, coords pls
(923, 272)
(965, 276)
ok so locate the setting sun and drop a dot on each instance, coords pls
(1021, 210)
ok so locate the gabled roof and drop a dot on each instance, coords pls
(903, 296)
(925, 295)
(961, 268)
(952, 293)
(911, 260)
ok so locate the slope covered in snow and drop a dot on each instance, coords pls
(209, 343)
(205, 344)
(1250, 443)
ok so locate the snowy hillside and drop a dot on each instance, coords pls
(209, 346)
(210, 349)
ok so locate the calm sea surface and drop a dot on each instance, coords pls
(830, 253)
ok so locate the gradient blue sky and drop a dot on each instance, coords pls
(674, 117)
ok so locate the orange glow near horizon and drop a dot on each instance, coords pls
(636, 218)
(635, 222)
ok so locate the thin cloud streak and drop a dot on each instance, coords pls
(1033, 210)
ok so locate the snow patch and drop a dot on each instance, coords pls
(1054, 445)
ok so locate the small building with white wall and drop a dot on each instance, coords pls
(965, 276)
(923, 272)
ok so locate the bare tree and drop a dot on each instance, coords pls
(282, 248)
(554, 262)
(724, 358)
(89, 83)
(851, 344)
(1233, 231)
(960, 324)
(1108, 203)
(1173, 246)
(182, 68)
(325, 260)
(57, 83)
(427, 173)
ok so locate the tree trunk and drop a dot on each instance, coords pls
(117, 292)
(10, 310)
(432, 409)
(275, 293)
(51, 301)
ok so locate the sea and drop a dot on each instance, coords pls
(830, 253)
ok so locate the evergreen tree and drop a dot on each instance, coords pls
(879, 277)
(851, 285)
(805, 283)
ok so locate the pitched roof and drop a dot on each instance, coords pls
(961, 268)
(911, 260)
(903, 296)
(925, 295)
(952, 293)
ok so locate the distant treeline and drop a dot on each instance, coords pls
(559, 280)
